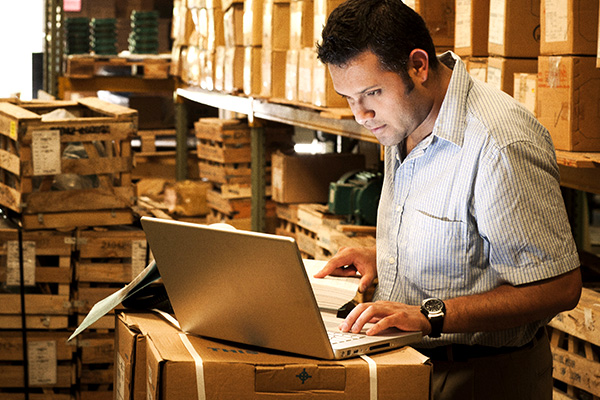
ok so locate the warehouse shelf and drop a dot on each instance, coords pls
(288, 114)
(578, 170)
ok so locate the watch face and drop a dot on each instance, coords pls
(433, 305)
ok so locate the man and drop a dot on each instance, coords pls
(474, 248)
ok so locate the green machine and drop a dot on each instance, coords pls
(356, 194)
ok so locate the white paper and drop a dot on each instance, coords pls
(497, 21)
(13, 273)
(42, 362)
(556, 21)
(462, 29)
(331, 292)
(46, 155)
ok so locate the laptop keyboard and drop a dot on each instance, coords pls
(342, 337)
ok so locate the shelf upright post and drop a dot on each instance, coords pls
(258, 167)
(181, 135)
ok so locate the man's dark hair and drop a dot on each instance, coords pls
(388, 28)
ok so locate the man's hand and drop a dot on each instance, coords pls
(350, 261)
(386, 314)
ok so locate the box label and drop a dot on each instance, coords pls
(46, 152)
(42, 362)
(497, 21)
(13, 273)
(462, 33)
(556, 21)
(494, 77)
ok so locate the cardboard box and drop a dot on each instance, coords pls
(276, 25)
(322, 9)
(525, 90)
(567, 101)
(216, 32)
(291, 74)
(273, 77)
(233, 25)
(305, 178)
(219, 72)
(252, 73)
(439, 18)
(514, 28)
(324, 95)
(253, 19)
(233, 69)
(471, 28)
(301, 24)
(501, 71)
(477, 67)
(131, 334)
(569, 27)
(306, 61)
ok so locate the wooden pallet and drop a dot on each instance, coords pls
(146, 67)
(67, 171)
(47, 275)
(575, 343)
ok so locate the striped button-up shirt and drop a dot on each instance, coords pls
(475, 205)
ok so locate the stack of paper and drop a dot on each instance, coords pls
(331, 292)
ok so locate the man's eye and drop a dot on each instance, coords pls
(373, 92)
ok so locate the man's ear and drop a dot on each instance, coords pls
(419, 64)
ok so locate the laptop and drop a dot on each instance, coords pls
(250, 288)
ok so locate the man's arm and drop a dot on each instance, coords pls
(502, 308)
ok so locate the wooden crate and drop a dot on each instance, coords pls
(67, 172)
(575, 344)
(95, 365)
(106, 259)
(240, 173)
(47, 278)
(112, 255)
(49, 359)
(146, 67)
(162, 165)
(223, 153)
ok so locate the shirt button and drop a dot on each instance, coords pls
(391, 260)
(398, 208)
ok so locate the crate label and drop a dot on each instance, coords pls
(138, 257)
(13, 275)
(46, 152)
(12, 130)
(120, 377)
(42, 362)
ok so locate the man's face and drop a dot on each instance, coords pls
(382, 101)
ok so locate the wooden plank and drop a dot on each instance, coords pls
(11, 343)
(240, 173)
(71, 220)
(36, 304)
(581, 321)
(34, 321)
(224, 154)
(577, 159)
(11, 376)
(78, 200)
(226, 131)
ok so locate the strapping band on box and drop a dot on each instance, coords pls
(199, 366)
(372, 376)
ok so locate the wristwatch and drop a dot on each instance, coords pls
(435, 311)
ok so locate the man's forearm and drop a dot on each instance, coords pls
(510, 306)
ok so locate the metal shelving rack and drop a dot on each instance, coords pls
(259, 110)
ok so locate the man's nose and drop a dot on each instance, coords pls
(362, 114)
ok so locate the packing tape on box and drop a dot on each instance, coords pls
(372, 376)
(199, 366)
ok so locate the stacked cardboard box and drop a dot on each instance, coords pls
(275, 44)
(568, 80)
(157, 360)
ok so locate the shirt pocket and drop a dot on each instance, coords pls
(436, 252)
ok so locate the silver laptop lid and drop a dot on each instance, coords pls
(239, 286)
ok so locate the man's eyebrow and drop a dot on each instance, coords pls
(359, 93)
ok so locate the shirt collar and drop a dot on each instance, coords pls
(450, 122)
